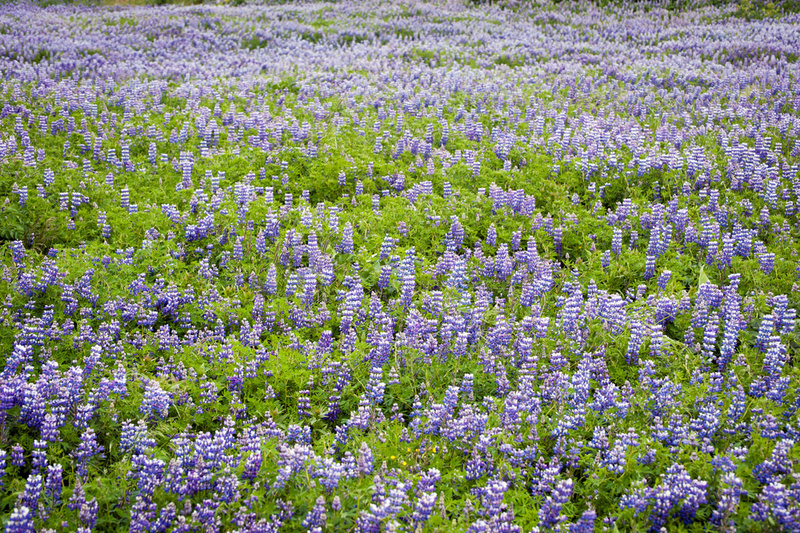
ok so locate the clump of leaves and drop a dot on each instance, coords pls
(38, 229)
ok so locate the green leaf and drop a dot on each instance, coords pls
(702, 277)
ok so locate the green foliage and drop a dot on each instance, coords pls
(757, 9)
(33, 224)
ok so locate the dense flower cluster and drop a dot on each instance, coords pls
(375, 267)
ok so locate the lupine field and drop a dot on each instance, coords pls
(399, 267)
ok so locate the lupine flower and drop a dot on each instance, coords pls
(87, 449)
(156, 401)
(606, 259)
(423, 509)
(777, 505)
(663, 279)
(650, 267)
(125, 198)
(346, 245)
(550, 512)
(728, 503)
(20, 521)
(676, 488)
(765, 330)
(778, 463)
(616, 241)
(54, 484)
(3, 464)
(17, 456)
(316, 517)
(767, 262)
(18, 252)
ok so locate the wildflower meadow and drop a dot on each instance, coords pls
(409, 266)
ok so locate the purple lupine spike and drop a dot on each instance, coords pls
(29, 498)
(87, 449)
(550, 512)
(663, 279)
(767, 262)
(54, 483)
(728, 503)
(777, 505)
(346, 244)
(316, 517)
(20, 521)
